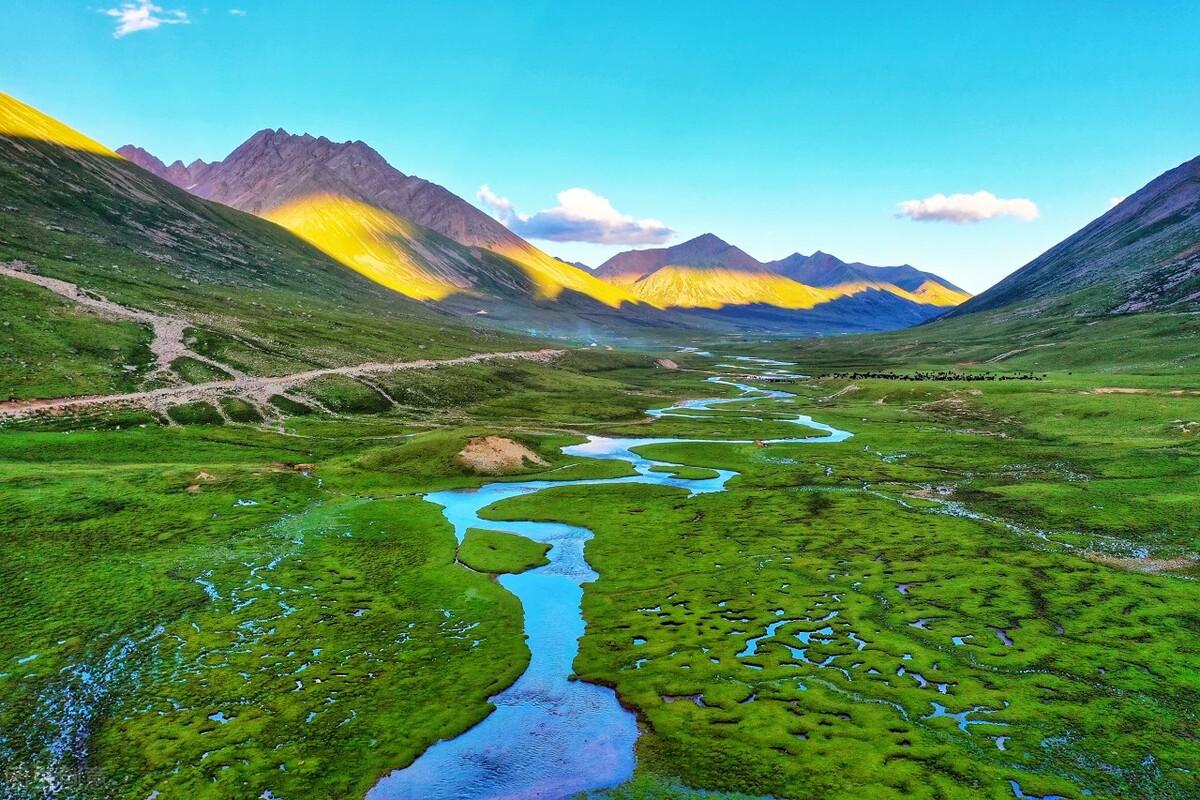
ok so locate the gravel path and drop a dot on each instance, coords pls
(168, 331)
(168, 345)
(255, 388)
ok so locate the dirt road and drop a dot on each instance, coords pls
(256, 389)
(168, 345)
(168, 342)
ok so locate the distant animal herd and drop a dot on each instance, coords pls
(932, 376)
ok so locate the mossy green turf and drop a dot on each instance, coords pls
(499, 552)
(101, 543)
(248, 628)
(1098, 690)
(685, 472)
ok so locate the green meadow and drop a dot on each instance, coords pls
(991, 581)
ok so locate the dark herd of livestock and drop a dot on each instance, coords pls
(943, 375)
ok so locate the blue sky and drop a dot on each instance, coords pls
(779, 126)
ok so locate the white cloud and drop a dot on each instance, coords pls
(237, 12)
(961, 208)
(1113, 202)
(500, 205)
(580, 216)
(143, 16)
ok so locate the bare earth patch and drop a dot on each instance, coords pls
(854, 387)
(1152, 566)
(1131, 390)
(495, 454)
(1019, 350)
(931, 492)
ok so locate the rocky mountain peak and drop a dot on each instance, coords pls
(274, 167)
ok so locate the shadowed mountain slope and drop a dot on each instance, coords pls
(183, 176)
(1142, 255)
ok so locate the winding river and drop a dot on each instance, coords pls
(552, 737)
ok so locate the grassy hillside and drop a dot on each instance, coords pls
(1011, 341)
(260, 298)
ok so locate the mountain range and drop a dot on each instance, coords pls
(344, 198)
(273, 168)
(325, 206)
(396, 229)
(707, 272)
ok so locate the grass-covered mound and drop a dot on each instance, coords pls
(499, 552)
(685, 472)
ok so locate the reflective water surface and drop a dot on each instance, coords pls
(551, 737)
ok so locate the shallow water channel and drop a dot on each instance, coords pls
(551, 737)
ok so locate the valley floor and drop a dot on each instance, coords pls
(988, 591)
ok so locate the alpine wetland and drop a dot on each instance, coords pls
(319, 479)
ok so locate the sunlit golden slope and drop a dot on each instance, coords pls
(20, 120)
(930, 293)
(713, 287)
(552, 276)
(373, 242)
(407, 258)
(935, 294)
